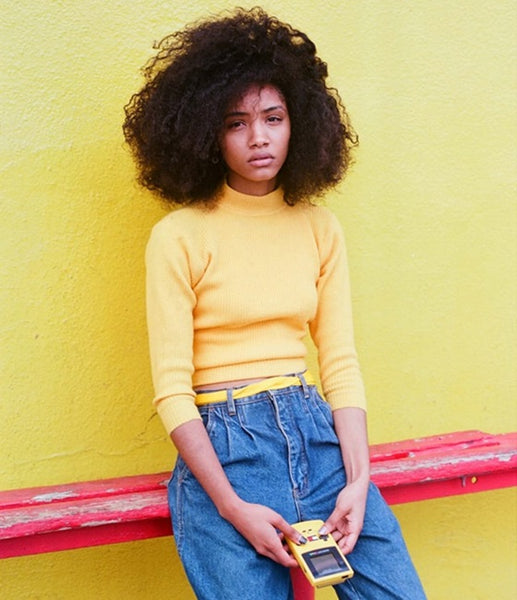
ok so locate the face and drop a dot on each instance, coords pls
(255, 139)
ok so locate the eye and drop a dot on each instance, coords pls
(274, 119)
(232, 125)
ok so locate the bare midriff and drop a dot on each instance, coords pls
(224, 385)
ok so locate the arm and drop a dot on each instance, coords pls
(257, 523)
(333, 333)
(346, 521)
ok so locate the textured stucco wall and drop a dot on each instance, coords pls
(430, 215)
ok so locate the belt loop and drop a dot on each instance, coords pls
(305, 387)
(230, 402)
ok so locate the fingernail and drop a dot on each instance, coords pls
(323, 531)
(302, 539)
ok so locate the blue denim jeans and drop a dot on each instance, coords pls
(278, 448)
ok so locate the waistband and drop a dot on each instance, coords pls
(270, 383)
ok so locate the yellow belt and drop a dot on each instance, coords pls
(270, 383)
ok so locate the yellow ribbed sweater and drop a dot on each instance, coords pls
(232, 291)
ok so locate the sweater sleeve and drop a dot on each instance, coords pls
(332, 328)
(170, 301)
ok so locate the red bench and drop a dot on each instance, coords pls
(76, 515)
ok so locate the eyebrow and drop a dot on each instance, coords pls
(238, 113)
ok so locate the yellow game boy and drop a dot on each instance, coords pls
(320, 558)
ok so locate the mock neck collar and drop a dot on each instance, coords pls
(244, 204)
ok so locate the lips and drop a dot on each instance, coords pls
(261, 160)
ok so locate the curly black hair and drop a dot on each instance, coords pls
(173, 124)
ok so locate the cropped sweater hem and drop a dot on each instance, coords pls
(176, 410)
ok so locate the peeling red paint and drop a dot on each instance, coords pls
(127, 508)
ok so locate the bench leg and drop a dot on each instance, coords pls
(303, 590)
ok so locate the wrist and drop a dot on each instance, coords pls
(361, 480)
(229, 506)
(357, 470)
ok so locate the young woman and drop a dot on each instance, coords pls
(236, 123)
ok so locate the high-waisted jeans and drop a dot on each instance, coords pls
(278, 448)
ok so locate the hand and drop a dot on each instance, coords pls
(346, 521)
(261, 526)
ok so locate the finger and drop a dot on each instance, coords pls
(337, 535)
(289, 532)
(280, 555)
(331, 524)
(285, 560)
(348, 542)
(328, 527)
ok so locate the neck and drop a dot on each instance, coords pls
(252, 205)
(251, 188)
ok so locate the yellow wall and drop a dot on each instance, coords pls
(430, 215)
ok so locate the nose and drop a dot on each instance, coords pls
(258, 135)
